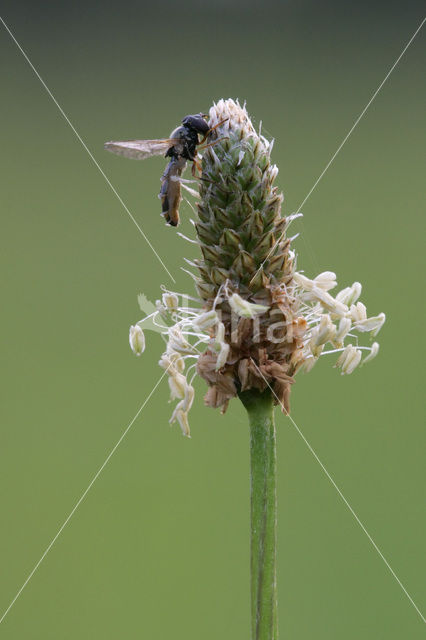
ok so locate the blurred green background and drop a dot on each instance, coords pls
(160, 546)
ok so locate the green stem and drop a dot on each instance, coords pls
(263, 466)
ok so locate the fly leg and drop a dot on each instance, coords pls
(196, 166)
(211, 144)
(212, 129)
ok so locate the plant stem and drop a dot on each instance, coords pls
(263, 467)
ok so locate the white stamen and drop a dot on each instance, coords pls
(223, 355)
(326, 280)
(177, 384)
(136, 339)
(373, 353)
(342, 331)
(373, 324)
(350, 295)
(349, 359)
(244, 308)
(358, 312)
(205, 320)
(170, 301)
(328, 302)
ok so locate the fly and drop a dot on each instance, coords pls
(180, 147)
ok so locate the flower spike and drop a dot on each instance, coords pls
(258, 321)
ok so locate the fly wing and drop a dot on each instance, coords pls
(140, 149)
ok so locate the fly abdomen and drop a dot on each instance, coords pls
(170, 192)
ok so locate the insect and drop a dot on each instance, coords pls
(180, 147)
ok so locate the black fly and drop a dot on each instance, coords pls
(180, 147)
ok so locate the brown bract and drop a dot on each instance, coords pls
(264, 351)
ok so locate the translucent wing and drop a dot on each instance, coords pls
(140, 149)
